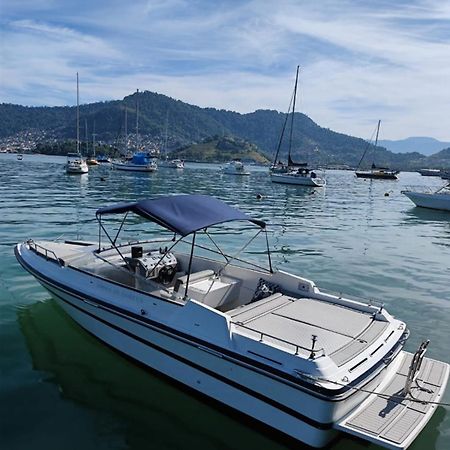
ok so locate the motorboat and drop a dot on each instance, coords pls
(103, 159)
(92, 161)
(301, 176)
(375, 173)
(435, 200)
(235, 167)
(172, 163)
(297, 173)
(76, 164)
(269, 344)
(19, 157)
(140, 162)
(430, 172)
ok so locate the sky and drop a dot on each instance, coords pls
(360, 61)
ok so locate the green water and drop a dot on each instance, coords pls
(62, 389)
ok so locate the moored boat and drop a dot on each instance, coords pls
(75, 164)
(430, 172)
(436, 200)
(235, 167)
(267, 343)
(376, 173)
(172, 163)
(292, 172)
(300, 176)
(140, 162)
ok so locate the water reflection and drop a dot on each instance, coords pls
(149, 409)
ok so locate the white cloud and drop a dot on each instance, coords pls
(360, 62)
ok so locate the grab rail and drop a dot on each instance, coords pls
(45, 252)
(312, 351)
(363, 300)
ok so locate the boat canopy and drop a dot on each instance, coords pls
(182, 214)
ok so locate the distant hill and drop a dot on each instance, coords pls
(424, 145)
(221, 149)
(185, 125)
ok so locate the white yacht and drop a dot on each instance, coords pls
(172, 163)
(432, 200)
(270, 344)
(235, 167)
(76, 164)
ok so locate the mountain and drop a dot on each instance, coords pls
(425, 145)
(189, 124)
(221, 149)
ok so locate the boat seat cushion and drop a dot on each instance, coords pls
(196, 276)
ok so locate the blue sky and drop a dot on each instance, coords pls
(361, 61)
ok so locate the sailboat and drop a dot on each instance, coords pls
(378, 173)
(75, 162)
(166, 162)
(293, 173)
(140, 161)
(92, 161)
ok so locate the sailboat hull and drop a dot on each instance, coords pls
(377, 175)
(299, 180)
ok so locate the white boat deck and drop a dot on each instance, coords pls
(341, 332)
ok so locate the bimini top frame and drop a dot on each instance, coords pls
(182, 214)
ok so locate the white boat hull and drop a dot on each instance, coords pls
(299, 180)
(431, 201)
(77, 170)
(307, 417)
(135, 167)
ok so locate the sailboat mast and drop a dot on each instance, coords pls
(165, 134)
(378, 130)
(126, 129)
(78, 117)
(86, 136)
(293, 113)
(137, 120)
(93, 139)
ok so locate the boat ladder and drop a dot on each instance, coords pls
(413, 372)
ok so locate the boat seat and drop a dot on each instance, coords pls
(196, 276)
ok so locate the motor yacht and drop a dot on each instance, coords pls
(269, 344)
(235, 167)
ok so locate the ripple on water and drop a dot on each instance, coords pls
(348, 237)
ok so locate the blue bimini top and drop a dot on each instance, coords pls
(182, 214)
